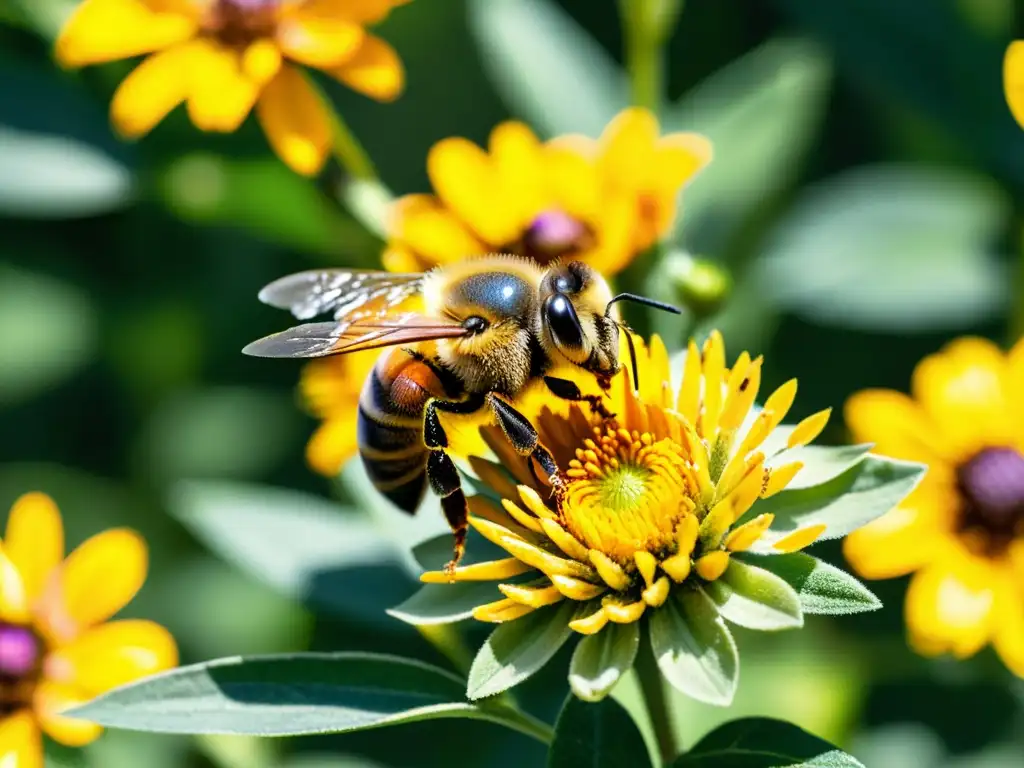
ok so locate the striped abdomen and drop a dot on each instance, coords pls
(390, 426)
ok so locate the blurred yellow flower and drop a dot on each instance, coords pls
(1013, 79)
(962, 530)
(57, 649)
(224, 57)
(603, 201)
(651, 497)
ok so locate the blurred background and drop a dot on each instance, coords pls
(866, 198)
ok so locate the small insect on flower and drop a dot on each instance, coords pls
(465, 339)
(961, 533)
(602, 202)
(57, 649)
(223, 57)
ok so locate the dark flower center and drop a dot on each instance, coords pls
(992, 486)
(240, 22)
(554, 234)
(20, 655)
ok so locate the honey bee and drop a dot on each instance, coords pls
(460, 339)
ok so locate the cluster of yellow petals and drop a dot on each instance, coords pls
(1013, 80)
(65, 605)
(620, 191)
(967, 588)
(652, 496)
(222, 58)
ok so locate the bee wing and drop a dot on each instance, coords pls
(341, 291)
(362, 333)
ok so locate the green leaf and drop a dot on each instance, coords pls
(694, 648)
(50, 331)
(445, 603)
(821, 463)
(600, 660)
(822, 588)
(761, 742)
(55, 177)
(601, 735)
(299, 544)
(864, 492)
(754, 598)
(517, 649)
(546, 67)
(781, 88)
(928, 232)
(285, 695)
(58, 756)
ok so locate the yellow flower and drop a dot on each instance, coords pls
(603, 202)
(651, 497)
(962, 531)
(57, 649)
(1013, 80)
(224, 57)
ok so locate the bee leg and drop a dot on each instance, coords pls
(524, 439)
(567, 390)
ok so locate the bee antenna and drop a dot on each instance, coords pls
(645, 301)
(632, 355)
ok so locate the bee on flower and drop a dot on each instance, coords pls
(603, 202)
(664, 520)
(223, 58)
(961, 534)
(58, 648)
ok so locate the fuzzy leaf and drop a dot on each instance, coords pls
(694, 648)
(821, 463)
(601, 735)
(445, 603)
(863, 493)
(519, 648)
(546, 67)
(822, 588)
(761, 742)
(754, 598)
(600, 660)
(285, 695)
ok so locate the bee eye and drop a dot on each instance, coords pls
(475, 324)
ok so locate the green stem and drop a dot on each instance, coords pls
(653, 688)
(517, 720)
(348, 151)
(647, 26)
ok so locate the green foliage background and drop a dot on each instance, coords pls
(867, 196)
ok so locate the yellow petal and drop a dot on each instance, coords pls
(113, 654)
(712, 565)
(362, 12)
(529, 553)
(49, 700)
(894, 423)
(333, 444)
(13, 600)
(680, 156)
(374, 70)
(657, 593)
(677, 567)
(261, 62)
(501, 611)
(564, 540)
(107, 30)
(152, 90)
(611, 573)
(295, 121)
(465, 180)
(571, 180)
(1013, 80)
(220, 94)
(949, 607)
(317, 41)
(101, 576)
(961, 389)
(799, 539)
(689, 392)
(743, 538)
(713, 360)
(493, 570)
(622, 612)
(779, 477)
(20, 743)
(647, 564)
(589, 625)
(516, 154)
(535, 597)
(809, 428)
(577, 589)
(431, 230)
(1009, 632)
(528, 521)
(627, 148)
(35, 541)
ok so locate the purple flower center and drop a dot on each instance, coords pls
(552, 234)
(238, 23)
(992, 485)
(19, 651)
(250, 6)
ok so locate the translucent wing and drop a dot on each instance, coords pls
(342, 292)
(367, 332)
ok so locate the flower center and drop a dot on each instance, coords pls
(20, 654)
(627, 492)
(240, 22)
(554, 234)
(992, 486)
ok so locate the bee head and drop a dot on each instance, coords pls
(574, 323)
